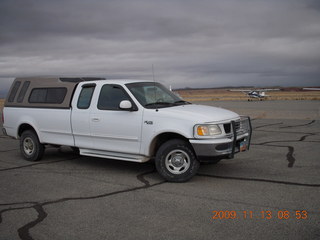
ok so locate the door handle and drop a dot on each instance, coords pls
(95, 119)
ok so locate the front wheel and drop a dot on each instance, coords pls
(176, 161)
(30, 146)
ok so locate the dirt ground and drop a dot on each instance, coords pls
(226, 94)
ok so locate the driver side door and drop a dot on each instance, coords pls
(114, 129)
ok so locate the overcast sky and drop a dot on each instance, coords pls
(191, 43)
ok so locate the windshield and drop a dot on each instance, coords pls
(154, 95)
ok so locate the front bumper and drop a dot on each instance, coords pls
(237, 140)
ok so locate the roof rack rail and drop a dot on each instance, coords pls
(80, 79)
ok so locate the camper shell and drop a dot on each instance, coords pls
(44, 92)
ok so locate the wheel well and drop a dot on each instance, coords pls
(25, 127)
(162, 138)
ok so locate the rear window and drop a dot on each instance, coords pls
(48, 95)
(14, 91)
(23, 91)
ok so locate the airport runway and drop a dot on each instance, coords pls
(270, 192)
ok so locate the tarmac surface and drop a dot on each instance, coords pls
(269, 192)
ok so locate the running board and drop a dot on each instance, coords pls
(114, 155)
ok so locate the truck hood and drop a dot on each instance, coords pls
(199, 113)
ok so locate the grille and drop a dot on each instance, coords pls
(227, 127)
(237, 126)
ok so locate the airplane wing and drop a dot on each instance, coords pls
(267, 89)
(240, 90)
(256, 90)
(312, 89)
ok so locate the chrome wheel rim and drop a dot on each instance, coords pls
(28, 146)
(177, 162)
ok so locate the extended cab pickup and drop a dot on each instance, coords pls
(129, 120)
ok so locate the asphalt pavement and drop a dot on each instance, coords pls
(269, 192)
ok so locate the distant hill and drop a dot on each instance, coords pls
(3, 94)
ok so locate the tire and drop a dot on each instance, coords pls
(176, 162)
(30, 146)
(76, 150)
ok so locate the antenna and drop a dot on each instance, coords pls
(154, 87)
(153, 73)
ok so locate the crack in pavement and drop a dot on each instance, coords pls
(280, 123)
(268, 125)
(277, 131)
(39, 207)
(37, 163)
(290, 158)
(8, 150)
(301, 139)
(300, 125)
(24, 231)
(5, 137)
(259, 180)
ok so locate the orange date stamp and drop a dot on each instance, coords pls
(281, 214)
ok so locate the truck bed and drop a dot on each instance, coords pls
(53, 126)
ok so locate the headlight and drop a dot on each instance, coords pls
(206, 130)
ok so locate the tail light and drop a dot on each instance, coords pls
(2, 117)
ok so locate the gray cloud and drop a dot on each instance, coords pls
(192, 43)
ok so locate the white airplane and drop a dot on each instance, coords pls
(258, 94)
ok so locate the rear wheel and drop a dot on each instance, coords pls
(76, 150)
(30, 146)
(176, 161)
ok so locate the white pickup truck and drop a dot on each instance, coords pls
(129, 120)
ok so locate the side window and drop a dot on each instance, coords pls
(111, 96)
(23, 91)
(85, 96)
(47, 95)
(56, 95)
(38, 95)
(14, 91)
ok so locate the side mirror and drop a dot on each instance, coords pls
(125, 105)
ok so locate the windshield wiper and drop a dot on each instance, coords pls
(163, 104)
(159, 103)
(181, 102)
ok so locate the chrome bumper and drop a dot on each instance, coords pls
(237, 140)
